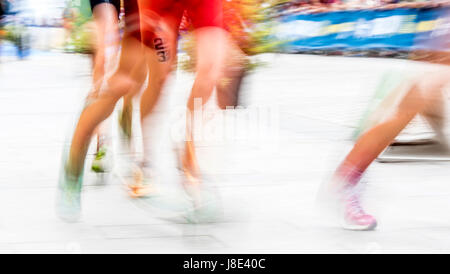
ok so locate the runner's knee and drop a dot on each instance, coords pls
(118, 85)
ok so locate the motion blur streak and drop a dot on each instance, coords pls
(224, 126)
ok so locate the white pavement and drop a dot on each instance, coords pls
(267, 193)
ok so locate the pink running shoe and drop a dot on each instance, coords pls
(354, 216)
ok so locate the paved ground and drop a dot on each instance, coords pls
(308, 107)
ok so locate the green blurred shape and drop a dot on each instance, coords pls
(388, 83)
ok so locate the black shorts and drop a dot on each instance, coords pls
(115, 3)
(132, 19)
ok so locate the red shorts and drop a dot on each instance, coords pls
(202, 13)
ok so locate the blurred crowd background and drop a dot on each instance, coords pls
(317, 6)
(288, 26)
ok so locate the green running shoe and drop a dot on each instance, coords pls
(100, 164)
(68, 200)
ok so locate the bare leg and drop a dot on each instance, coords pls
(105, 56)
(211, 44)
(229, 86)
(424, 97)
(160, 58)
(93, 114)
(100, 107)
(107, 43)
(376, 139)
(132, 50)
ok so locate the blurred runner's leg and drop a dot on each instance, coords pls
(211, 41)
(160, 55)
(424, 96)
(106, 16)
(97, 109)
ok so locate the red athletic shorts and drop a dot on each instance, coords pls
(202, 13)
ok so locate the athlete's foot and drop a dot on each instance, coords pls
(191, 181)
(206, 207)
(68, 200)
(192, 186)
(140, 185)
(355, 218)
(340, 197)
(101, 162)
